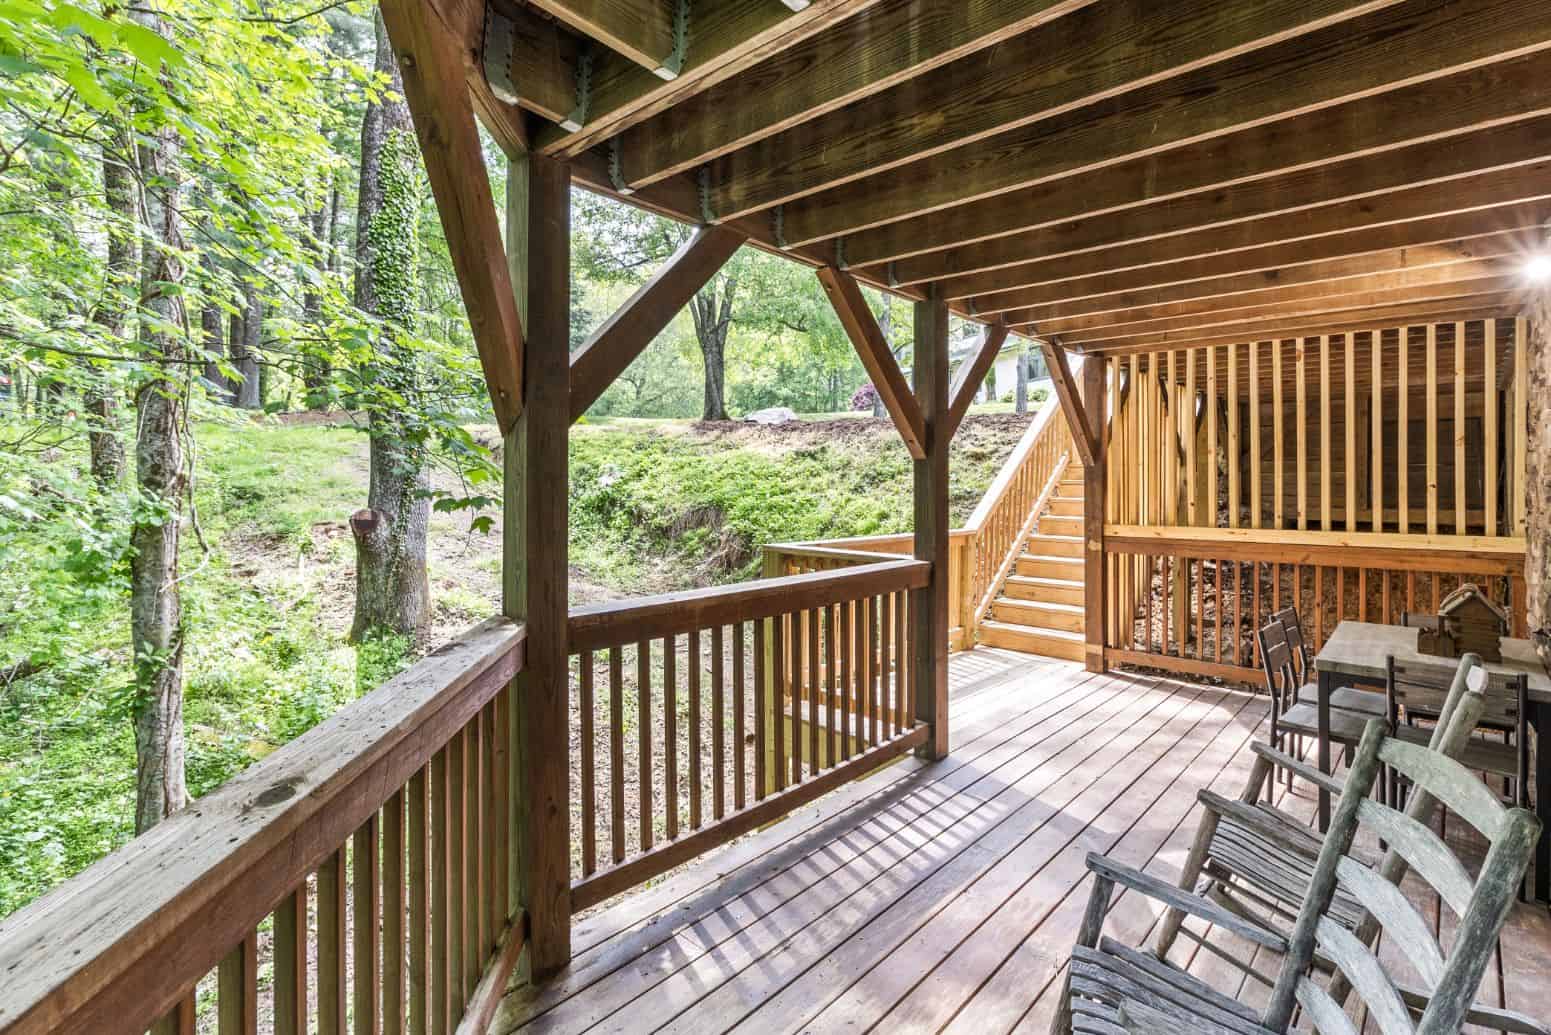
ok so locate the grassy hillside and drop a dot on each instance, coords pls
(655, 506)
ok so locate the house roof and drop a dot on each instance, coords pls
(1110, 175)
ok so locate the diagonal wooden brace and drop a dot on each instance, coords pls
(846, 296)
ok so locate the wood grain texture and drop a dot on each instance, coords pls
(877, 357)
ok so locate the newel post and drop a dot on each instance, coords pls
(1095, 407)
(929, 606)
(534, 581)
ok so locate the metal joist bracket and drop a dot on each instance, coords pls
(616, 170)
(703, 189)
(499, 46)
(778, 226)
(673, 64)
(840, 253)
(573, 122)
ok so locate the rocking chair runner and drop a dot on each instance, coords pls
(1111, 988)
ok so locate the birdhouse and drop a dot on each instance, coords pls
(1468, 621)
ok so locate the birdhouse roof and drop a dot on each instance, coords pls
(1465, 595)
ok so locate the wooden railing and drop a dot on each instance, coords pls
(982, 552)
(378, 843)
(814, 667)
(1188, 599)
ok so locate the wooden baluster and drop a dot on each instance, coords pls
(1165, 603)
(589, 790)
(366, 984)
(831, 710)
(815, 679)
(740, 707)
(237, 989)
(886, 667)
(473, 833)
(1217, 607)
(439, 865)
(643, 692)
(670, 737)
(331, 945)
(798, 684)
(506, 858)
(847, 705)
(879, 676)
(291, 963)
(419, 911)
(393, 907)
(180, 1020)
(493, 890)
(456, 824)
(775, 702)
(718, 725)
(906, 716)
(761, 693)
(1489, 419)
(692, 666)
(616, 754)
(1147, 642)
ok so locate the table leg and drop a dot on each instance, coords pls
(1540, 718)
(1323, 748)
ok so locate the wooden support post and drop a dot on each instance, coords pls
(534, 560)
(929, 607)
(1093, 508)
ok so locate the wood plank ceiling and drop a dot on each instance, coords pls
(1113, 175)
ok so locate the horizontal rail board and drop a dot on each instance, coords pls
(619, 622)
(1183, 666)
(1475, 555)
(115, 947)
(589, 891)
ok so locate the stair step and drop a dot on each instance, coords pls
(1052, 643)
(1053, 545)
(1044, 590)
(1066, 506)
(1044, 566)
(1038, 614)
(1060, 524)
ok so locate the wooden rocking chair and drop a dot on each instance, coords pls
(1112, 989)
(1229, 860)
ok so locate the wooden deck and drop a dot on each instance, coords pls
(944, 897)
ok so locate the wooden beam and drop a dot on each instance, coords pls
(1339, 229)
(929, 606)
(880, 47)
(1334, 66)
(1451, 259)
(971, 373)
(1218, 183)
(1088, 57)
(1122, 325)
(642, 30)
(1095, 409)
(535, 64)
(846, 296)
(439, 103)
(1071, 405)
(633, 326)
(727, 39)
(534, 572)
(1473, 308)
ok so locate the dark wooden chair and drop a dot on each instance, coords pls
(1111, 988)
(1293, 718)
(1228, 862)
(1369, 703)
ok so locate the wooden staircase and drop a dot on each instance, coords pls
(1039, 605)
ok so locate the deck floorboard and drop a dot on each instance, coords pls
(945, 896)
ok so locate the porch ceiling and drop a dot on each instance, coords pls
(1113, 174)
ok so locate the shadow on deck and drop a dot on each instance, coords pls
(945, 897)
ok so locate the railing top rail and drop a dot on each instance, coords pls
(816, 550)
(1004, 477)
(1469, 554)
(115, 946)
(614, 623)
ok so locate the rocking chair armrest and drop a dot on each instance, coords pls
(1324, 781)
(1486, 1016)
(1179, 898)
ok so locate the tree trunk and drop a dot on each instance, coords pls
(99, 398)
(246, 335)
(886, 327)
(1020, 397)
(712, 322)
(392, 588)
(315, 364)
(1537, 476)
(156, 613)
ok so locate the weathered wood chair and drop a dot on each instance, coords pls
(1111, 988)
(1292, 717)
(1230, 861)
(1369, 703)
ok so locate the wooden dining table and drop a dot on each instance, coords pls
(1356, 654)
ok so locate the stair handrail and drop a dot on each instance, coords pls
(1010, 508)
